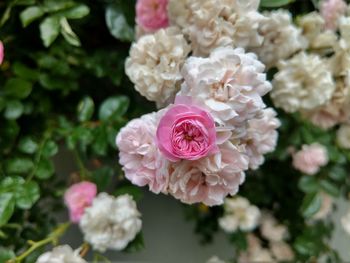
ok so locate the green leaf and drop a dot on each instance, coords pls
(330, 188)
(275, 3)
(76, 12)
(7, 205)
(54, 5)
(18, 88)
(311, 204)
(28, 195)
(102, 177)
(68, 33)
(45, 169)
(113, 107)
(117, 23)
(100, 143)
(136, 245)
(338, 173)
(19, 165)
(85, 109)
(6, 254)
(25, 72)
(14, 110)
(49, 30)
(308, 184)
(50, 149)
(134, 191)
(30, 14)
(27, 145)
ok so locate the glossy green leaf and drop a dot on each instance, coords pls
(6, 254)
(19, 165)
(117, 23)
(85, 109)
(27, 145)
(18, 88)
(50, 149)
(76, 12)
(14, 110)
(49, 30)
(45, 169)
(338, 173)
(113, 107)
(7, 206)
(311, 204)
(25, 72)
(330, 188)
(308, 184)
(54, 5)
(28, 195)
(31, 14)
(68, 33)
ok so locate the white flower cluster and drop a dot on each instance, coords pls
(61, 254)
(239, 214)
(316, 80)
(110, 222)
(199, 27)
(277, 249)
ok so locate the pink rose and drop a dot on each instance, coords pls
(2, 53)
(186, 132)
(152, 15)
(310, 158)
(331, 10)
(78, 197)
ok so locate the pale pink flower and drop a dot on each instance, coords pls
(2, 52)
(210, 179)
(310, 158)
(186, 132)
(142, 162)
(78, 197)
(261, 136)
(152, 15)
(331, 11)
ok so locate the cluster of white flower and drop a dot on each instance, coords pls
(110, 222)
(199, 27)
(277, 249)
(316, 80)
(239, 214)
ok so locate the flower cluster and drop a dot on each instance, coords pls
(107, 222)
(199, 148)
(315, 80)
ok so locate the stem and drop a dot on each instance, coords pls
(46, 136)
(83, 171)
(52, 238)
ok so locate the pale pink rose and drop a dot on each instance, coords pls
(78, 197)
(261, 136)
(210, 179)
(186, 132)
(142, 162)
(331, 11)
(310, 158)
(2, 52)
(152, 15)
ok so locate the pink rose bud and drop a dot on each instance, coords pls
(152, 15)
(78, 197)
(310, 158)
(2, 53)
(186, 132)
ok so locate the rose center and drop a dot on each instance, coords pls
(189, 137)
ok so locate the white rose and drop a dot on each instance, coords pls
(61, 254)
(110, 222)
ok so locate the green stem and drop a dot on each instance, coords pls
(52, 238)
(46, 136)
(84, 173)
